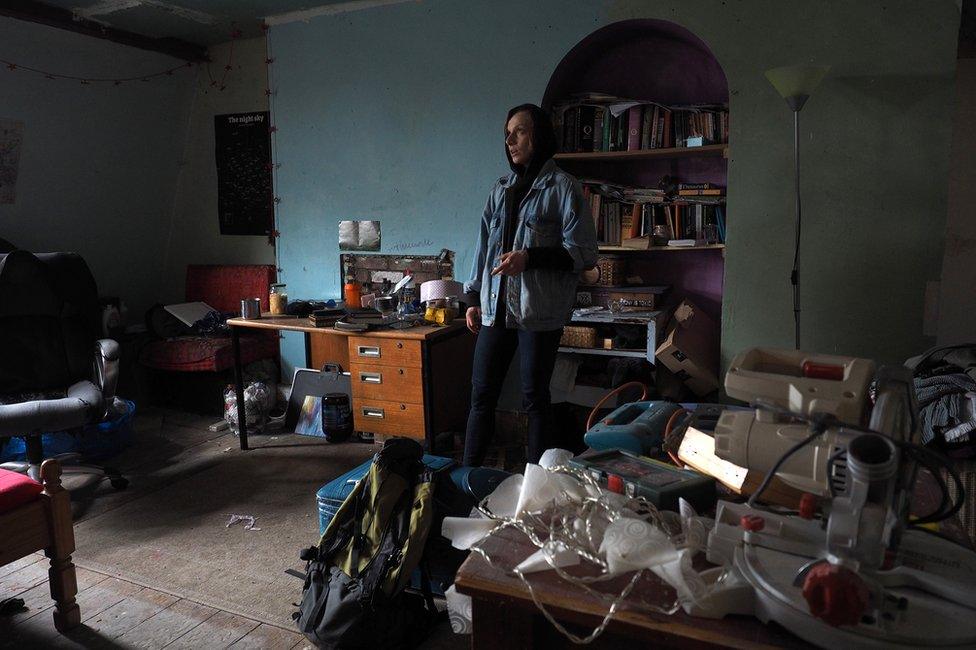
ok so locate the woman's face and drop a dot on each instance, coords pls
(518, 138)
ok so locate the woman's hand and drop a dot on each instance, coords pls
(473, 318)
(511, 263)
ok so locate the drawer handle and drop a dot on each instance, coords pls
(372, 412)
(403, 407)
(369, 350)
(371, 377)
(399, 346)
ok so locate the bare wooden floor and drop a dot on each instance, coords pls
(116, 613)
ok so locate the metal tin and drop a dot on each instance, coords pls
(251, 308)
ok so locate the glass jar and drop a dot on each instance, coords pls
(278, 299)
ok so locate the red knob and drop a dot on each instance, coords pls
(808, 505)
(755, 523)
(615, 483)
(835, 594)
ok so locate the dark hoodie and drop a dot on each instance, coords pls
(543, 148)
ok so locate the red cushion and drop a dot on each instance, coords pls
(16, 490)
(222, 286)
(206, 353)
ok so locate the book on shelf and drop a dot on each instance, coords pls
(634, 120)
(598, 122)
(711, 191)
(621, 213)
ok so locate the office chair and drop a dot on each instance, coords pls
(54, 373)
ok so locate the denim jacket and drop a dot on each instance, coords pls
(553, 213)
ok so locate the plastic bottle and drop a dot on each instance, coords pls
(351, 293)
(408, 296)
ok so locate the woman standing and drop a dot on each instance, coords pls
(536, 237)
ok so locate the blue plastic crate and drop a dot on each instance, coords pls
(95, 441)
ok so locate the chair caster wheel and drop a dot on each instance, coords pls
(119, 483)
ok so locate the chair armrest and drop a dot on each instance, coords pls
(107, 368)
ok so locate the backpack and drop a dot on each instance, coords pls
(354, 594)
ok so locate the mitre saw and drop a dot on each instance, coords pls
(847, 570)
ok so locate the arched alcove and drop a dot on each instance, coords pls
(662, 62)
(643, 59)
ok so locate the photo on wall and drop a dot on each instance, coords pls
(245, 195)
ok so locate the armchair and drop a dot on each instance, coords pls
(54, 374)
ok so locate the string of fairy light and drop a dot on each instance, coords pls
(218, 83)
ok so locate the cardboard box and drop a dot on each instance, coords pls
(690, 349)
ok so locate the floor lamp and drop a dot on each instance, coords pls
(795, 84)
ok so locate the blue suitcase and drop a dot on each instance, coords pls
(457, 491)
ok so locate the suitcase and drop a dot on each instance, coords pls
(458, 489)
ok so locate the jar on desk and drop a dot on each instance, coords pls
(278, 299)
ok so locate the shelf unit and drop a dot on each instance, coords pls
(656, 60)
(647, 154)
(641, 354)
(671, 249)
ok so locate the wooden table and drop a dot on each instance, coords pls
(505, 617)
(413, 382)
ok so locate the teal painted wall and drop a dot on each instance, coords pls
(99, 162)
(395, 113)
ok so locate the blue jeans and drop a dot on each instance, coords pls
(492, 355)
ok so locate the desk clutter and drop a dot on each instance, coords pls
(830, 542)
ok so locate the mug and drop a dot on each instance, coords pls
(251, 308)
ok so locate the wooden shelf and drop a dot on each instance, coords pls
(642, 354)
(643, 154)
(620, 249)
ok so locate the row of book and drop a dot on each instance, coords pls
(617, 125)
(618, 219)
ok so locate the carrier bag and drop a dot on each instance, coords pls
(354, 594)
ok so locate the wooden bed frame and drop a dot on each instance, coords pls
(45, 524)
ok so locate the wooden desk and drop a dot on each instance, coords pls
(412, 382)
(504, 615)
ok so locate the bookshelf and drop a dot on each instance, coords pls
(659, 62)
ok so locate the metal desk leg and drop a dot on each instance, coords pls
(239, 387)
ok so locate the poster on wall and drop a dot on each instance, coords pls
(245, 198)
(11, 138)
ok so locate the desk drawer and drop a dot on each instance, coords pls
(384, 352)
(389, 418)
(372, 381)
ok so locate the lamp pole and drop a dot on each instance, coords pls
(795, 275)
(794, 84)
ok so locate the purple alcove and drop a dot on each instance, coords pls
(658, 61)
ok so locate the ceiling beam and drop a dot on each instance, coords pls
(37, 12)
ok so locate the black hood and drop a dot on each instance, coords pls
(543, 138)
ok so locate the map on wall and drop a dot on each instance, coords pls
(11, 138)
(245, 199)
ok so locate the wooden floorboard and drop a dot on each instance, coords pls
(269, 637)
(219, 631)
(126, 614)
(17, 565)
(167, 625)
(37, 599)
(23, 579)
(117, 614)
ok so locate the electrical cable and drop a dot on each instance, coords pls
(667, 433)
(779, 463)
(590, 421)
